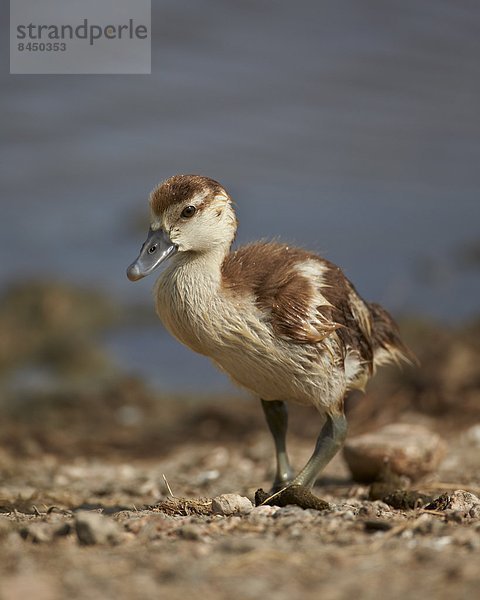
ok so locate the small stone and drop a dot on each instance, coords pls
(411, 450)
(462, 501)
(94, 528)
(38, 533)
(231, 504)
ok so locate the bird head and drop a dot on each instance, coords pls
(189, 214)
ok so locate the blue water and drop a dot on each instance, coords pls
(350, 128)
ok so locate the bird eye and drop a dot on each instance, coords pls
(152, 249)
(188, 212)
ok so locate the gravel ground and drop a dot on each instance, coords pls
(145, 543)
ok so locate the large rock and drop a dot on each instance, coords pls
(411, 450)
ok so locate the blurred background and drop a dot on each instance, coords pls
(351, 128)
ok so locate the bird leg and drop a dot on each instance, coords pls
(276, 414)
(329, 442)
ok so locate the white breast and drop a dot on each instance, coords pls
(232, 331)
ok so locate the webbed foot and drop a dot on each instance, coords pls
(298, 495)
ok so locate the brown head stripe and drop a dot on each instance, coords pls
(181, 188)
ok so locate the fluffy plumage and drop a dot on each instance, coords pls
(284, 323)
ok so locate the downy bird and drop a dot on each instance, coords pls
(282, 322)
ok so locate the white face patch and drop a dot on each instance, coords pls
(213, 225)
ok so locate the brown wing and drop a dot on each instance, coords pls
(270, 272)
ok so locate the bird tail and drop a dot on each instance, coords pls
(387, 344)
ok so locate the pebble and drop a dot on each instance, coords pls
(231, 504)
(462, 501)
(94, 528)
(38, 533)
(410, 450)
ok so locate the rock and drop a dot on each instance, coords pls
(94, 528)
(411, 450)
(462, 501)
(38, 533)
(231, 504)
(459, 502)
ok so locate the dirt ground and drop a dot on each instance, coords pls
(107, 446)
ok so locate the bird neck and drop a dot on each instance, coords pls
(202, 270)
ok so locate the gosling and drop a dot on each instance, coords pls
(282, 322)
